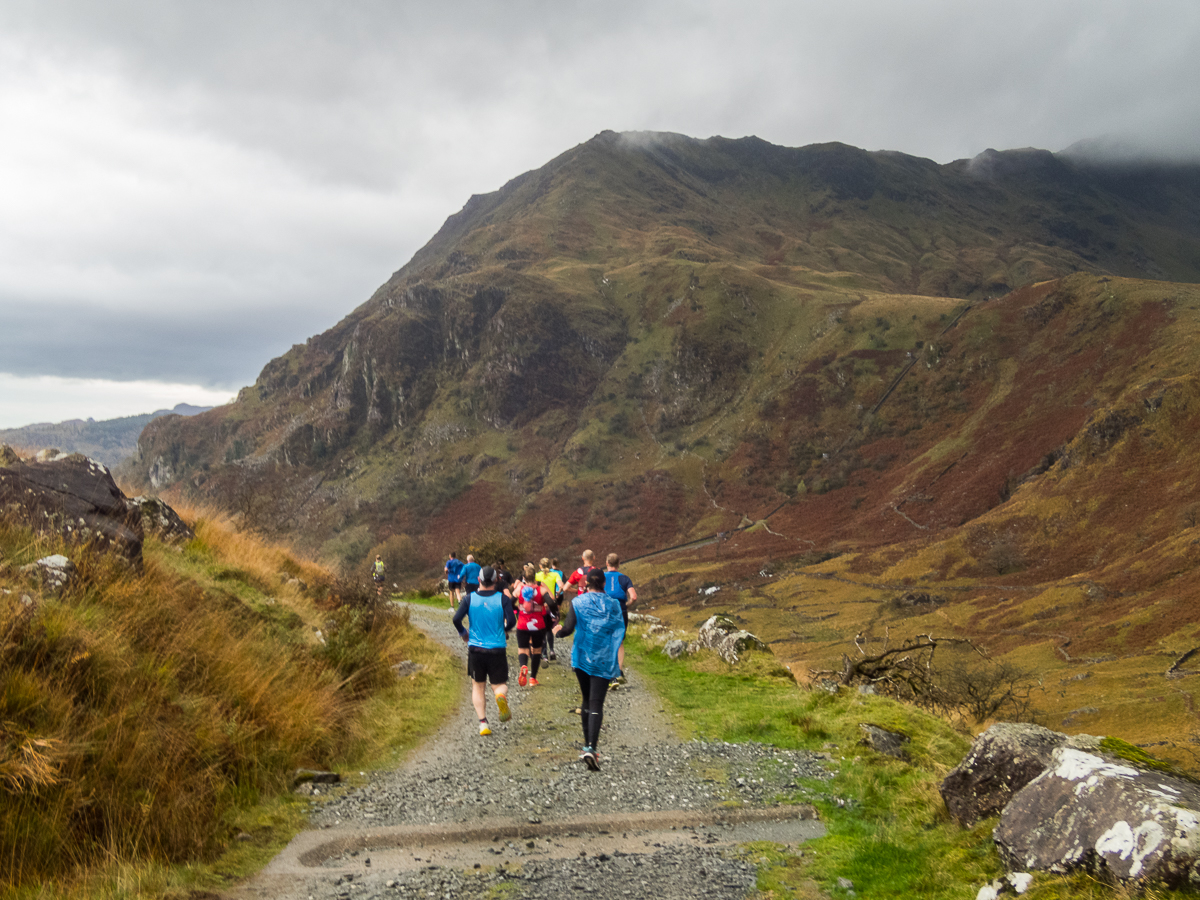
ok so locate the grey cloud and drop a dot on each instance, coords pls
(186, 345)
(293, 153)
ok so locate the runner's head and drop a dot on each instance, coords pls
(613, 561)
(470, 558)
(554, 563)
(588, 557)
(454, 554)
(487, 577)
(544, 563)
(529, 572)
(595, 580)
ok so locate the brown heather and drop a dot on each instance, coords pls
(139, 712)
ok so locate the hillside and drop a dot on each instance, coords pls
(109, 440)
(971, 381)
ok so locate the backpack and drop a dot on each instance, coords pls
(612, 586)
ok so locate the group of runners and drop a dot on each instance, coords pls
(540, 605)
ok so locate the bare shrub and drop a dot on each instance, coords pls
(968, 683)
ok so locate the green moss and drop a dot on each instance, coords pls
(1140, 759)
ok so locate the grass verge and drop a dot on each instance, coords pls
(150, 721)
(888, 832)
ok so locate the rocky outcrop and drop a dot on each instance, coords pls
(881, 740)
(77, 498)
(73, 496)
(1079, 802)
(160, 520)
(1090, 811)
(721, 633)
(1002, 760)
(55, 571)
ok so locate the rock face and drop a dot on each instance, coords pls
(77, 498)
(1002, 760)
(722, 634)
(74, 496)
(1096, 813)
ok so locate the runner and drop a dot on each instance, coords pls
(596, 620)
(618, 586)
(470, 575)
(504, 580)
(578, 579)
(551, 580)
(454, 568)
(531, 624)
(377, 575)
(490, 619)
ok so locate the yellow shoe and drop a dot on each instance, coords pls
(483, 729)
(502, 705)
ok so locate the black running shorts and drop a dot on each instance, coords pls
(487, 665)
(527, 639)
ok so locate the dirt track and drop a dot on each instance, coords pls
(517, 815)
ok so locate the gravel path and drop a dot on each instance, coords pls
(516, 814)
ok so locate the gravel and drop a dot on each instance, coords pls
(528, 771)
(679, 872)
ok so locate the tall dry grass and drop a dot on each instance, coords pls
(136, 710)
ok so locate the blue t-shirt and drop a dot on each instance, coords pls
(489, 615)
(470, 573)
(599, 630)
(454, 568)
(617, 585)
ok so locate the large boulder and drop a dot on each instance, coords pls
(1002, 760)
(75, 497)
(1097, 812)
(721, 633)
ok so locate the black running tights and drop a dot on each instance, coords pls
(591, 710)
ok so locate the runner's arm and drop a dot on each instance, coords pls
(568, 620)
(464, 607)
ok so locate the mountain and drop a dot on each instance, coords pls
(644, 320)
(108, 441)
(863, 395)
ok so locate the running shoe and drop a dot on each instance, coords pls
(502, 705)
(523, 677)
(590, 759)
(552, 657)
(483, 729)
(533, 682)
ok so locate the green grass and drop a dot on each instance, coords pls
(887, 829)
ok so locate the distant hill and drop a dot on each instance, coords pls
(108, 441)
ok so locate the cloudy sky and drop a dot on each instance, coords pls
(188, 187)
